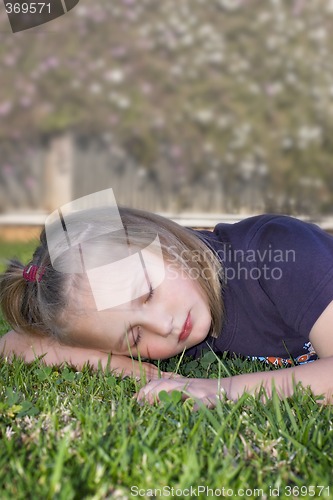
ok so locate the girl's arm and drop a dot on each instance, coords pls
(317, 375)
(29, 347)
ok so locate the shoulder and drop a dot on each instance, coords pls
(271, 231)
(244, 232)
(285, 232)
(277, 230)
(277, 226)
(224, 231)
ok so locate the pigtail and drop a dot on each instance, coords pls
(17, 302)
(20, 296)
(33, 297)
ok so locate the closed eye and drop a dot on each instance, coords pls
(136, 337)
(150, 293)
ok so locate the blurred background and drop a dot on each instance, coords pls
(196, 106)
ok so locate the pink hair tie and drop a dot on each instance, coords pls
(32, 273)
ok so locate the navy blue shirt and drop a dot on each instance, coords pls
(278, 275)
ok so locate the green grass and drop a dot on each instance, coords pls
(73, 435)
(9, 250)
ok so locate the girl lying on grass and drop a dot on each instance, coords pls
(261, 288)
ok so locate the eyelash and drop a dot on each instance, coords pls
(150, 294)
(138, 337)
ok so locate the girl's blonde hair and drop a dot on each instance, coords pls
(40, 306)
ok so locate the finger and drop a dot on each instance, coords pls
(147, 372)
(170, 375)
(151, 390)
(209, 403)
(150, 398)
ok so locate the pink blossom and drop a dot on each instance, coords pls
(114, 120)
(119, 52)
(5, 108)
(25, 101)
(30, 182)
(176, 152)
(7, 169)
(9, 59)
(146, 88)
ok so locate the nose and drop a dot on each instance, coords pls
(157, 321)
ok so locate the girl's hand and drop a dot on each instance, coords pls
(127, 367)
(204, 391)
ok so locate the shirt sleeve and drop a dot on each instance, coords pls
(294, 260)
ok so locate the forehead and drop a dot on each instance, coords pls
(128, 278)
(117, 287)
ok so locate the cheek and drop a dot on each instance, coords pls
(158, 349)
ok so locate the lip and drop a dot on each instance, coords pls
(187, 328)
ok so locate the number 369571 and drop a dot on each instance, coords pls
(28, 8)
